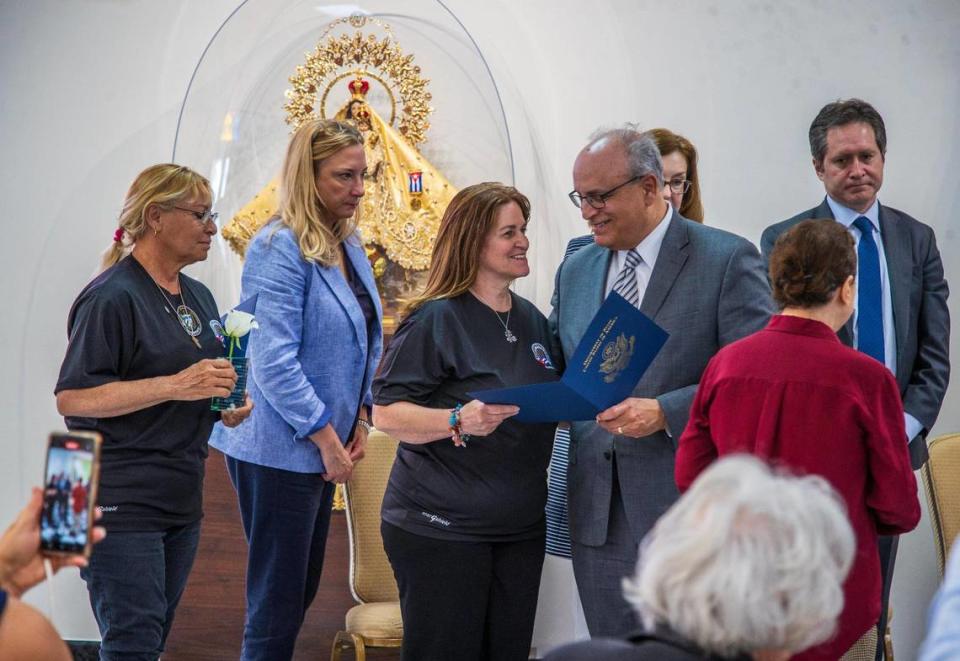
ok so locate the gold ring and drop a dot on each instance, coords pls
(620, 430)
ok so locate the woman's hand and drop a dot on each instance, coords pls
(335, 457)
(210, 377)
(21, 563)
(233, 417)
(479, 419)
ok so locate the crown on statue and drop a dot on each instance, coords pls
(359, 87)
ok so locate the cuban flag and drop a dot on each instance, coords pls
(416, 182)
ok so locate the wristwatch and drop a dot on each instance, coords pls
(365, 424)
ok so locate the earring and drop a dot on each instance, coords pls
(156, 231)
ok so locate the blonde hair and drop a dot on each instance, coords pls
(164, 184)
(468, 219)
(301, 208)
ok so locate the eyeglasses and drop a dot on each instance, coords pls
(678, 186)
(202, 216)
(596, 200)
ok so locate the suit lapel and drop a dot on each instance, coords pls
(594, 284)
(672, 256)
(898, 253)
(344, 295)
(586, 282)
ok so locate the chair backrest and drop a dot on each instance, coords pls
(371, 577)
(864, 649)
(941, 482)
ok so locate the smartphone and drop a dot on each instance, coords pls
(70, 493)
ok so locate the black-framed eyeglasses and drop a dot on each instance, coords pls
(203, 217)
(678, 186)
(597, 200)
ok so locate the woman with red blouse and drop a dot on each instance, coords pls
(795, 396)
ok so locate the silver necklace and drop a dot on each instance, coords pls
(189, 320)
(507, 333)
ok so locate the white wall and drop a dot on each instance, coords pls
(91, 90)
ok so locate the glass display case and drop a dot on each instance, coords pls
(424, 92)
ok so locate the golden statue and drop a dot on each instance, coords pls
(405, 196)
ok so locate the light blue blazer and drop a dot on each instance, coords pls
(310, 361)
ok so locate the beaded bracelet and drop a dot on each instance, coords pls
(456, 429)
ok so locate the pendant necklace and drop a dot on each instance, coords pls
(189, 321)
(507, 333)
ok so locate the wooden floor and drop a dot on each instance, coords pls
(209, 623)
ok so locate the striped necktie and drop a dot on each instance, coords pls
(626, 284)
(869, 298)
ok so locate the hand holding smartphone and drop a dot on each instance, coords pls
(70, 485)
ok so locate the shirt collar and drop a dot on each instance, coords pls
(784, 323)
(649, 248)
(845, 215)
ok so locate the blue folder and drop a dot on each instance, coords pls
(616, 350)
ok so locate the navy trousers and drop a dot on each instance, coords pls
(286, 516)
(135, 581)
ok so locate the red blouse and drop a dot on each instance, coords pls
(796, 396)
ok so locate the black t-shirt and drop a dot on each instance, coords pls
(494, 489)
(120, 329)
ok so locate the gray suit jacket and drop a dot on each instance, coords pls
(921, 318)
(707, 290)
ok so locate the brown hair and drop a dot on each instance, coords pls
(300, 206)
(669, 142)
(468, 220)
(841, 113)
(165, 185)
(810, 261)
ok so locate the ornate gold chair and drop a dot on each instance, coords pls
(375, 620)
(864, 649)
(941, 483)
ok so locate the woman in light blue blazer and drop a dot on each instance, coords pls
(311, 364)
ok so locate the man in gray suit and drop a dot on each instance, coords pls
(901, 316)
(706, 287)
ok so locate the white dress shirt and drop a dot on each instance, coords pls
(648, 249)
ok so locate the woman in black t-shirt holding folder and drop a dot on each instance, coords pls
(141, 366)
(463, 513)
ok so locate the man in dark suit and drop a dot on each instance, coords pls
(901, 316)
(706, 288)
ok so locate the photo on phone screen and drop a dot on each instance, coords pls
(69, 491)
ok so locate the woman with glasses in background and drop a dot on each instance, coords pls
(681, 182)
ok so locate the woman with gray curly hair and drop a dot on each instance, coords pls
(749, 564)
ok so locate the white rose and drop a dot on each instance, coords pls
(239, 324)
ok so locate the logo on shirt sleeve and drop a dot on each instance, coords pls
(540, 353)
(218, 331)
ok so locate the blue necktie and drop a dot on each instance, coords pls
(870, 303)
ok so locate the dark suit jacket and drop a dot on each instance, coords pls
(707, 290)
(663, 645)
(920, 315)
